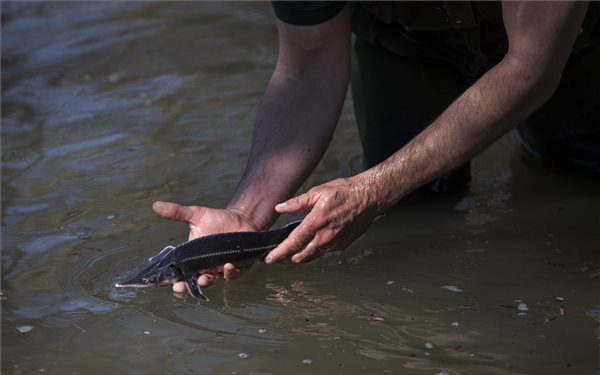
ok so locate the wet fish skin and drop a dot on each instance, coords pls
(182, 262)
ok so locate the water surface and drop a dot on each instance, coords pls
(109, 106)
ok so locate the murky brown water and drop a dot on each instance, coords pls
(107, 107)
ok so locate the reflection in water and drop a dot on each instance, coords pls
(378, 331)
(109, 106)
(490, 192)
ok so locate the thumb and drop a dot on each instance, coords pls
(173, 211)
(296, 204)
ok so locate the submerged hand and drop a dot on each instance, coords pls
(341, 210)
(203, 221)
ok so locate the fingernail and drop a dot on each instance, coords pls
(281, 205)
(268, 260)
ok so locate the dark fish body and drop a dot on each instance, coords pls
(182, 262)
(237, 248)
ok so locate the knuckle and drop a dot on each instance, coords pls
(316, 222)
(295, 243)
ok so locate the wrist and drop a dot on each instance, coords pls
(253, 215)
(370, 187)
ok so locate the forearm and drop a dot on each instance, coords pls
(298, 115)
(496, 103)
(293, 129)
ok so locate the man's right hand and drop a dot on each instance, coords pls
(204, 221)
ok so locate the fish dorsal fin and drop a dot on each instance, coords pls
(163, 253)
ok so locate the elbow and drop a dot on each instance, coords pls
(539, 80)
(540, 75)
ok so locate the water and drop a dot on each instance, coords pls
(109, 106)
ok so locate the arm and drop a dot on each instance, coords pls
(540, 35)
(298, 115)
(293, 128)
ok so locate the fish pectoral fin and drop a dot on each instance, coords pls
(191, 283)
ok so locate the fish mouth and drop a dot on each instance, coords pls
(136, 283)
(133, 284)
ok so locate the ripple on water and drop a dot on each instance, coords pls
(90, 277)
(60, 299)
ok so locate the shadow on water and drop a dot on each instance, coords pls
(116, 105)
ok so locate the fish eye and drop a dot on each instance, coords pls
(152, 280)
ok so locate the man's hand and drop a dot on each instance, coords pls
(341, 211)
(204, 221)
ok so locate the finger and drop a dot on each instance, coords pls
(291, 245)
(173, 211)
(207, 279)
(320, 244)
(179, 287)
(231, 272)
(307, 254)
(299, 203)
